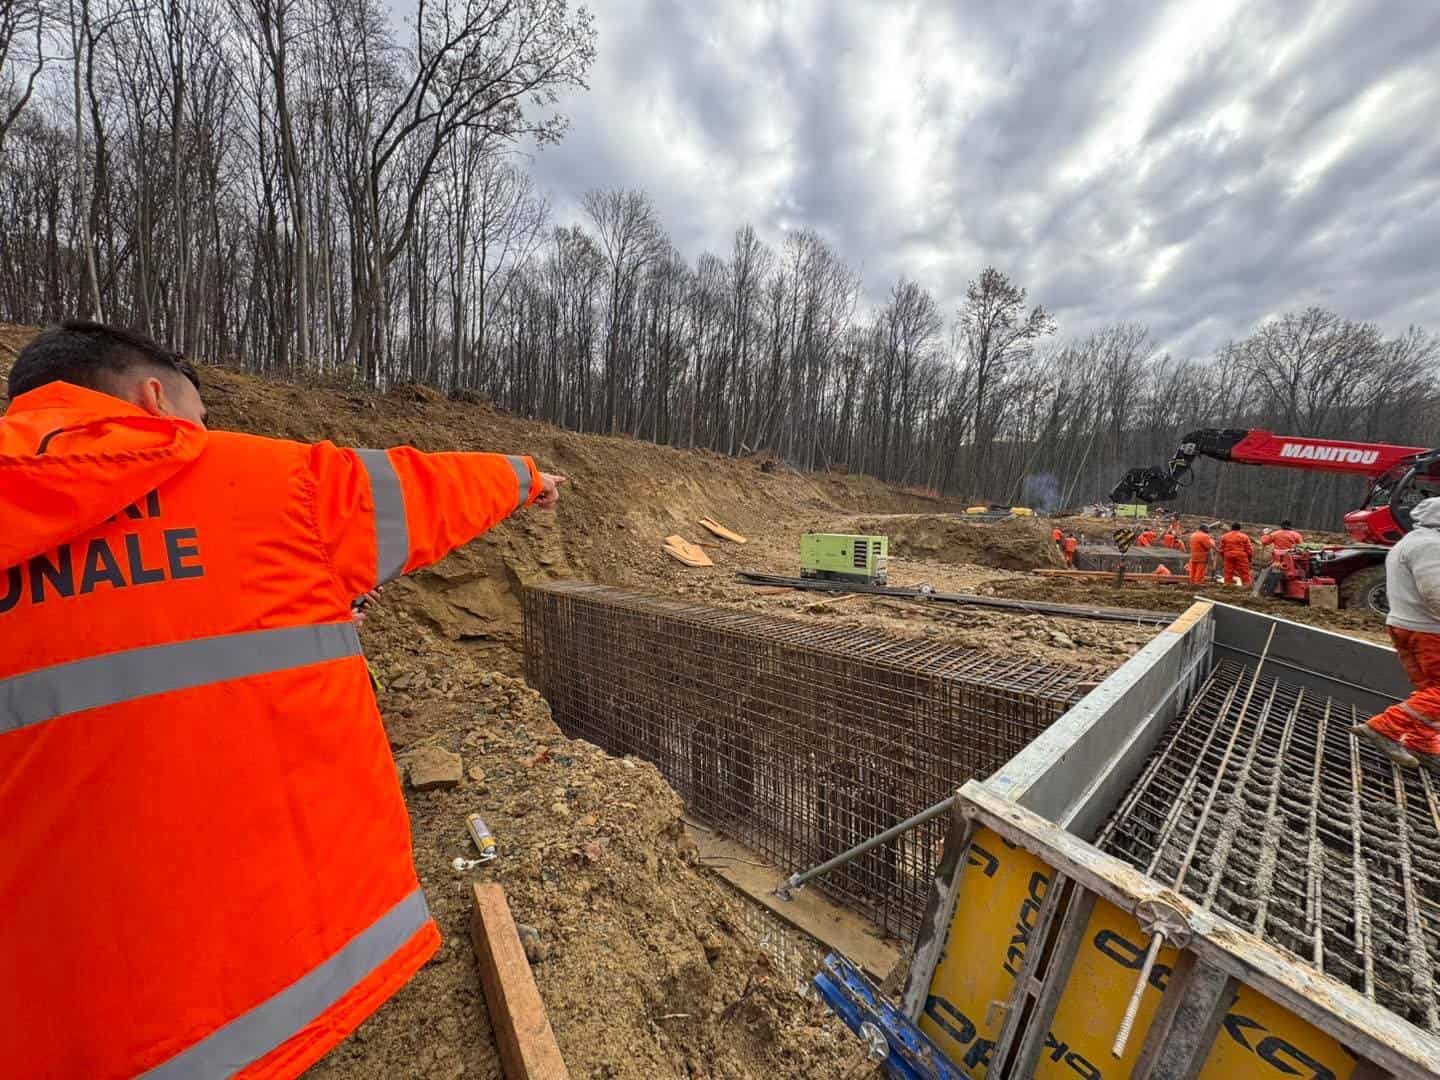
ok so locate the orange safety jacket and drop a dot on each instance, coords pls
(1146, 538)
(1237, 545)
(1281, 541)
(1201, 544)
(206, 864)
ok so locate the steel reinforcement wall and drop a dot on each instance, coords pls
(797, 739)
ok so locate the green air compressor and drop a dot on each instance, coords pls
(842, 557)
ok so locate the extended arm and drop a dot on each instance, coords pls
(383, 513)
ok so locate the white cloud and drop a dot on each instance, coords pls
(1191, 164)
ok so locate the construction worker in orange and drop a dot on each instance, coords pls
(1171, 539)
(1069, 547)
(1162, 571)
(1202, 548)
(1058, 536)
(1412, 584)
(1237, 551)
(1146, 537)
(1281, 541)
(207, 867)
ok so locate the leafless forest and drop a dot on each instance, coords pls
(309, 188)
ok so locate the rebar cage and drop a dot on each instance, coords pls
(1260, 803)
(796, 739)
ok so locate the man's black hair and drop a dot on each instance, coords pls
(1285, 524)
(1235, 525)
(92, 355)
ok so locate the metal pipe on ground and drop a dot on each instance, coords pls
(1133, 616)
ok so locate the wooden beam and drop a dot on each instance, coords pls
(528, 1050)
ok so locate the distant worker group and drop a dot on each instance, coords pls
(1068, 543)
(1235, 550)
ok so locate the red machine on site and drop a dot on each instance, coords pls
(1400, 476)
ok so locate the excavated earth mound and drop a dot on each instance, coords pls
(640, 953)
(1021, 543)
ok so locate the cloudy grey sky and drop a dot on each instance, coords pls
(1193, 164)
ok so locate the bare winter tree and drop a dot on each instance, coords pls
(472, 65)
(22, 56)
(289, 185)
(998, 332)
(631, 238)
(908, 327)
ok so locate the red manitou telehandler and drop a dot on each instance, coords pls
(1400, 476)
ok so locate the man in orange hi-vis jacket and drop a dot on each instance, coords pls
(1282, 542)
(206, 865)
(1202, 544)
(1408, 732)
(1069, 547)
(1237, 551)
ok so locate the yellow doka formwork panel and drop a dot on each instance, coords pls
(998, 902)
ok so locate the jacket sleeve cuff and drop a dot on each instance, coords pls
(529, 479)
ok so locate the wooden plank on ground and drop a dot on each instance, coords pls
(721, 531)
(834, 600)
(528, 1050)
(682, 550)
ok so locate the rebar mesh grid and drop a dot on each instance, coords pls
(1275, 816)
(794, 955)
(796, 739)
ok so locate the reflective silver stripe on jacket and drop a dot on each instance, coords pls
(392, 534)
(1416, 714)
(252, 1035)
(522, 476)
(48, 692)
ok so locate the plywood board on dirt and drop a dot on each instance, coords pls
(722, 532)
(682, 550)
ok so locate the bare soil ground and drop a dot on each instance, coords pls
(644, 964)
(642, 960)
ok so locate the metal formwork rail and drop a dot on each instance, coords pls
(798, 740)
(1260, 804)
